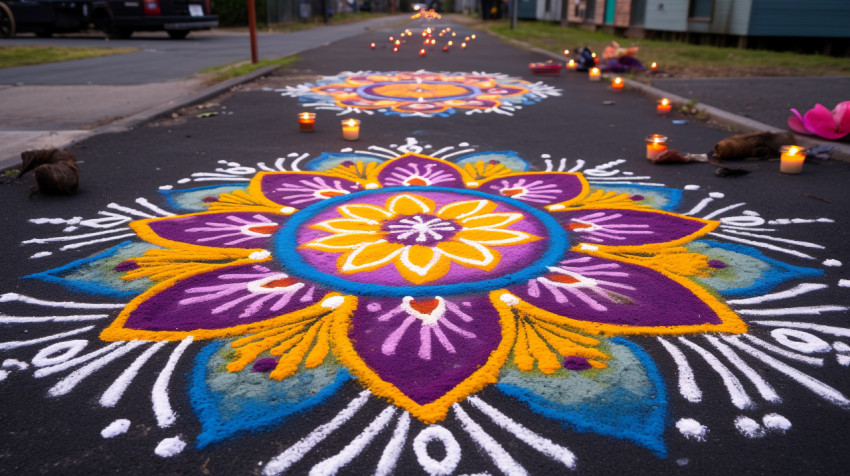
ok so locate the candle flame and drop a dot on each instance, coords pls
(566, 52)
(618, 80)
(595, 71)
(572, 62)
(350, 123)
(654, 65)
(793, 150)
(665, 102)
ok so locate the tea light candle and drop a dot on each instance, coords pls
(663, 106)
(372, 45)
(566, 52)
(617, 84)
(351, 129)
(462, 45)
(654, 66)
(473, 37)
(422, 52)
(571, 65)
(307, 121)
(594, 74)
(655, 145)
(791, 161)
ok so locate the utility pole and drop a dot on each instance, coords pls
(514, 8)
(252, 29)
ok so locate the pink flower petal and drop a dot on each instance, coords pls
(841, 114)
(795, 122)
(820, 121)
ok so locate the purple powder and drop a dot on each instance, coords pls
(717, 264)
(637, 198)
(128, 265)
(576, 363)
(494, 162)
(264, 365)
(347, 163)
(209, 199)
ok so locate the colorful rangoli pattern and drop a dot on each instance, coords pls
(426, 283)
(420, 93)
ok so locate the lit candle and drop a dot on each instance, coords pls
(307, 121)
(372, 45)
(397, 42)
(351, 129)
(393, 39)
(450, 43)
(655, 145)
(617, 84)
(473, 37)
(566, 52)
(594, 74)
(791, 161)
(422, 52)
(395, 49)
(433, 41)
(654, 66)
(571, 65)
(462, 45)
(663, 106)
(454, 34)
(445, 49)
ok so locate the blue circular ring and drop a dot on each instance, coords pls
(285, 245)
(474, 91)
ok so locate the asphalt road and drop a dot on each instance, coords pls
(593, 129)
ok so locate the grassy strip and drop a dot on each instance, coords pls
(232, 70)
(680, 60)
(13, 56)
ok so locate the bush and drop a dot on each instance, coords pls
(235, 12)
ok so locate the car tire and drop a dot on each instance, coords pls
(178, 34)
(7, 22)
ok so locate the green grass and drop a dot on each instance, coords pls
(218, 74)
(12, 56)
(679, 59)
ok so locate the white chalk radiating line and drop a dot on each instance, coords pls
(4, 319)
(789, 293)
(739, 396)
(44, 372)
(150, 206)
(699, 206)
(92, 242)
(8, 297)
(832, 330)
(687, 383)
(720, 211)
(294, 453)
(68, 383)
(457, 152)
(609, 179)
(819, 388)
(444, 149)
(500, 457)
(294, 164)
(785, 352)
(332, 465)
(765, 389)
(115, 391)
(791, 311)
(214, 179)
(23, 343)
(165, 415)
(805, 244)
(579, 165)
(41, 241)
(539, 443)
(392, 451)
(763, 245)
(129, 211)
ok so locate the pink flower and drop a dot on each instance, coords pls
(820, 121)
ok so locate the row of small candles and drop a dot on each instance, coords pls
(350, 127)
(790, 161)
(428, 41)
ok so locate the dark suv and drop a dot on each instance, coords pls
(119, 19)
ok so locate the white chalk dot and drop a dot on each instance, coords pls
(333, 302)
(628, 173)
(371, 185)
(169, 447)
(464, 144)
(373, 307)
(287, 210)
(841, 347)
(428, 146)
(776, 422)
(41, 254)
(471, 184)
(682, 461)
(545, 156)
(716, 195)
(184, 180)
(692, 429)
(258, 255)
(554, 208)
(292, 154)
(844, 283)
(117, 427)
(347, 149)
(691, 187)
(832, 262)
(750, 213)
(509, 299)
(586, 247)
(166, 187)
(749, 427)
(843, 360)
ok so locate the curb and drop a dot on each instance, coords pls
(841, 151)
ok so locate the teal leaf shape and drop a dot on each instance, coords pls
(508, 158)
(627, 400)
(232, 403)
(198, 199)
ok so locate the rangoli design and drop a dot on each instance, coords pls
(420, 93)
(426, 279)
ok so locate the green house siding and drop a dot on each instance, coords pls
(818, 18)
(728, 17)
(666, 15)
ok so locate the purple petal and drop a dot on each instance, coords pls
(598, 290)
(413, 170)
(425, 361)
(217, 229)
(222, 298)
(618, 227)
(302, 189)
(795, 122)
(537, 189)
(820, 121)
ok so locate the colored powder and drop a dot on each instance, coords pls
(576, 363)
(264, 365)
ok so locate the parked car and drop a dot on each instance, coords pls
(120, 18)
(117, 18)
(43, 17)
